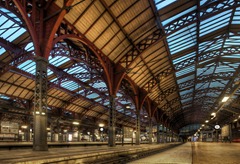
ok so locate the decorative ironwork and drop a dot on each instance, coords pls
(140, 47)
(205, 12)
(112, 122)
(40, 105)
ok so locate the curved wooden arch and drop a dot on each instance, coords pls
(135, 91)
(95, 51)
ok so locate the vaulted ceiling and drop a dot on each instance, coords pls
(182, 56)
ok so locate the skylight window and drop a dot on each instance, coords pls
(185, 71)
(214, 23)
(4, 97)
(236, 17)
(9, 30)
(165, 22)
(99, 85)
(163, 3)
(29, 47)
(80, 68)
(28, 66)
(92, 96)
(49, 72)
(58, 60)
(184, 57)
(182, 39)
(70, 85)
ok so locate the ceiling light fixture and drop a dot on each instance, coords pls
(225, 99)
(213, 114)
(75, 123)
(206, 121)
(101, 125)
(128, 106)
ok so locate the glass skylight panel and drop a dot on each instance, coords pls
(186, 91)
(28, 66)
(234, 56)
(215, 22)
(49, 72)
(15, 33)
(232, 41)
(218, 84)
(202, 2)
(119, 94)
(77, 69)
(58, 60)
(53, 80)
(213, 94)
(205, 61)
(2, 50)
(99, 85)
(236, 17)
(182, 39)
(211, 45)
(178, 15)
(199, 86)
(92, 96)
(163, 3)
(191, 77)
(29, 47)
(70, 85)
(185, 71)
(205, 71)
(106, 103)
(8, 29)
(4, 97)
(223, 68)
(185, 57)
(124, 102)
(186, 100)
(184, 31)
(98, 100)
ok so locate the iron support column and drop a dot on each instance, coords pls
(158, 133)
(165, 135)
(40, 106)
(122, 135)
(138, 127)
(111, 123)
(150, 130)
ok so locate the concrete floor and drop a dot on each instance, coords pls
(71, 155)
(180, 154)
(197, 153)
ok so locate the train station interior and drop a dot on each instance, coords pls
(119, 81)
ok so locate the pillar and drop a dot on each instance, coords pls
(111, 122)
(158, 133)
(40, 106)
(150, 130)
(138, 127)
(122, 135)
(230, 132)
(165, 135)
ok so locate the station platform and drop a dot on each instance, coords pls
(196, 153)
(174, 153)
(79, 154)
